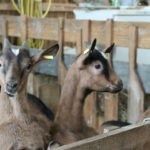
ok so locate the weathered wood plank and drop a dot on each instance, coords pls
(47, 29)
(62, 70)
(134, 137)
(111, 100)
(135, 90)
(24, 28)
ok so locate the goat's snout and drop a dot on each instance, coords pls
(12, 85)
(118, 87)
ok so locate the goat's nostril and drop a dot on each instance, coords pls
(12, 84)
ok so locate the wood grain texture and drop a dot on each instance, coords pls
(135, 90)
(111, 100)
(62, 70)
(47, 29)
(134, 137)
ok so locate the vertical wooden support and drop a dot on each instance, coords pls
(24, 33)
(135, 90)
(90, 109)
(111, 100)
(62, 70)
(4, 28)
(86, 31)
(79, 41)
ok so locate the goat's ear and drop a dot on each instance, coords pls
(6, 44)
(46, 54)
(93, 45)
(109, 49)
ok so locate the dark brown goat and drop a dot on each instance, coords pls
(90, 72)
(22, 125)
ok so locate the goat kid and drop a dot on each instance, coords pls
(22, 125)
(90, 72)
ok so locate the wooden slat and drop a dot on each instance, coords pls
(62, 70)
(135, 90)
(98, 32)
(56, 7)
(86, 32)
(111, 100)
(121, 36)
(134, 137)
(4, 28)
(24, 22)
(47, 29)
(79, 41)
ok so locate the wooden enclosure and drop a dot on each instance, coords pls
(134, 137)
(79, 33)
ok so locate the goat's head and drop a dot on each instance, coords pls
(95, 72)
(16, 64)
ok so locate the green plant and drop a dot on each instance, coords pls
(32, 8)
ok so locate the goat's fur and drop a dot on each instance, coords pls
(22, 125)
(90, 72)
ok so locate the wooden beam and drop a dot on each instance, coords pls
(42, 28)
(4, 28)
(62, 70)
(56, 7)
(86, 32)
(135, 88)
(133, 137)
(24, 33)
(111, 100)
(79, 41)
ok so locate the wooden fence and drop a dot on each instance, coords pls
(80, 32)
(134, 137)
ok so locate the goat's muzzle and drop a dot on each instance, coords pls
(117, 88)
(11, 88)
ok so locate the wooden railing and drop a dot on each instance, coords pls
(80, 32)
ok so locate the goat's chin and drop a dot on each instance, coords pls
(114, 90)
(111, 90)
(10, 94)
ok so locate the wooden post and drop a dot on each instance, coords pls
(111, 100)
(79, 41)
(62, 70)
(86, 32)
(90, 109)
(135, 90)
(24, 34)
(4, 28)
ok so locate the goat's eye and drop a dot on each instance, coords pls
(28, 66)
(98, 66)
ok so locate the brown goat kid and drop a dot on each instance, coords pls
(22, 125)
(90, 72)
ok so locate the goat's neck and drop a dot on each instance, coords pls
(20, 105)
(70, 109)
(6, 111)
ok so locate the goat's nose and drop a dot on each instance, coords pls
(120, 84)
(12, 84)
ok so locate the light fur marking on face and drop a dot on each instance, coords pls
(103, 54)
(15, 51)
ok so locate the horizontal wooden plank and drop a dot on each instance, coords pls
(47, 29)
(55, 7)
(121, 33)
(134, 137)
